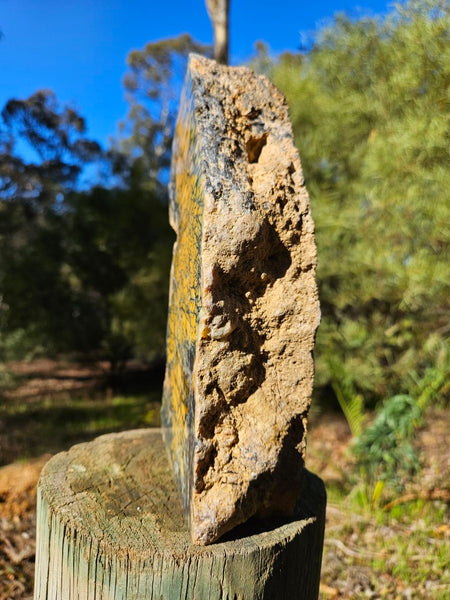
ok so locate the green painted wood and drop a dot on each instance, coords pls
(110, 527)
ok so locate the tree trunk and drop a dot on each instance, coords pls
(110, 527)
(219, 11)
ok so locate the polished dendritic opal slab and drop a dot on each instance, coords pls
(243, 303)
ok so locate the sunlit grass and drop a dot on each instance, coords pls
(402, 553)
(52, 423)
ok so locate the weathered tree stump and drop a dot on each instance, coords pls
(110, 527)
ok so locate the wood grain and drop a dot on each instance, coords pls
(110, 527)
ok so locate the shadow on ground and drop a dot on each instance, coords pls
(52, 409)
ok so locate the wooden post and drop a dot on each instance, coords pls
(110, 527)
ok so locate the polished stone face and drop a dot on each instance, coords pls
(186, 208)
(243, 303)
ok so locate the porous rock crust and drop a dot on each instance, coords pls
(253, 371)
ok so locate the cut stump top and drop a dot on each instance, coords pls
(122, 492)
(110, 526)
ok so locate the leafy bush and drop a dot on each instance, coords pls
(370, 110)
(384, 450)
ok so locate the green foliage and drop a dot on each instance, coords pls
(118, 256)
(80, 271)
(351, 403)
(153, 85)
(6, 378)
(384, 450)
(19, 344)
(434, 385)
(370, 111)
(35, 305)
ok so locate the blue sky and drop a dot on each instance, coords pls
(78, 48)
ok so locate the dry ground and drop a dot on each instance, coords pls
(403, 554)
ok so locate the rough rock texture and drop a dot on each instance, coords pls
(244, 306)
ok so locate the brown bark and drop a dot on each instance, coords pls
(219, 11)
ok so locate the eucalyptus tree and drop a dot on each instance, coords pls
(153, 84)
(219, 12)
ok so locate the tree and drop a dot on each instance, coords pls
(153, 84)
(32, 195)
(369, 110)
(118, 250)
(52, 137)
(219, 12)
(80, 270)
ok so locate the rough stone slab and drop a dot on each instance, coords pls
(243, 304)
(110, 526)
